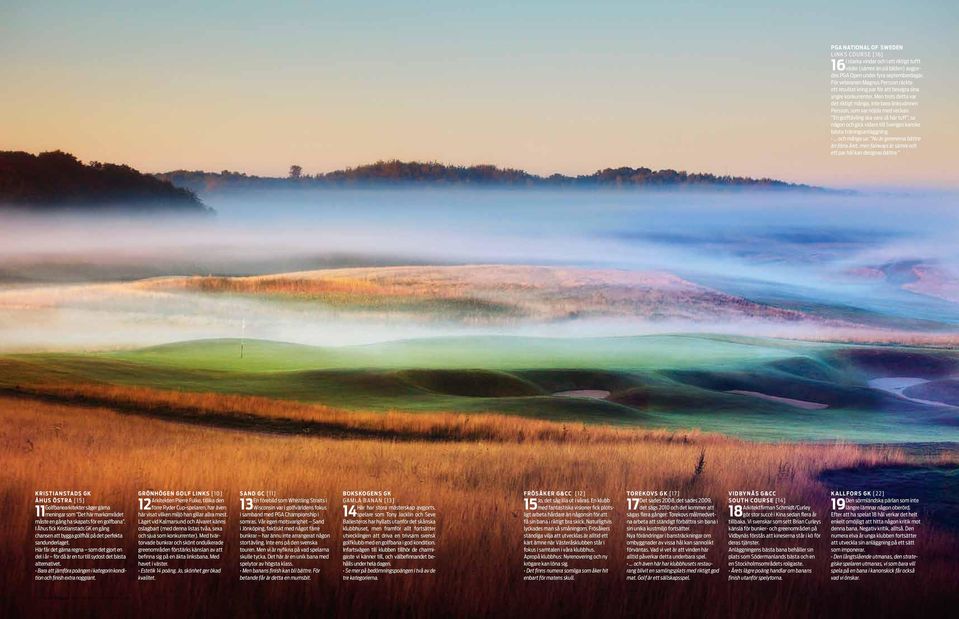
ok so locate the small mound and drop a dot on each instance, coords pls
(888, 362)
(675, 398)
(783, 387)
(554, 380)
(805, 368)
(803, 404)
(637, 397)
(470, 383)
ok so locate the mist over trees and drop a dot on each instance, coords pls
(58, 179)
(400, 173)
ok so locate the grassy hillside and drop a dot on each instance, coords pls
(496, 352)
(748, 387)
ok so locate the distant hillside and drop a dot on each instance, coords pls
(412, 172)
(57, 179)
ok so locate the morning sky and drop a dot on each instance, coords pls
(727, 87)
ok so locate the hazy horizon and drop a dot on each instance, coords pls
(735, 88)
(837, 258)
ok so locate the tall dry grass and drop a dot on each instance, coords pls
(353, 293)
(476, 486)
(545, 293)
(289, 417)
(498, 293)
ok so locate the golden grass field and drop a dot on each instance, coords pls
(498, 293)
(115, 441)
(543, 293)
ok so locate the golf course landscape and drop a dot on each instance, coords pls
(235, 353)
(479, 310)
(752, 388)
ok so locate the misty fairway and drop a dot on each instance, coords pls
(727, 312)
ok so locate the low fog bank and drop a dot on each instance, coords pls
(114, 323)
(754, 234)
(893, 255)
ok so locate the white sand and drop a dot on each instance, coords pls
(896, 385)
(595, 394)
(805, 404)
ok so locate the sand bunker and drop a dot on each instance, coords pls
(805, 404)
(595, 394)
(897, 385)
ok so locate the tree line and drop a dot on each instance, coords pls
(59, 179)
(395, 172)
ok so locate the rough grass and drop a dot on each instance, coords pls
(355, 293)
(476, 485)
(508, 293)
(286, 417)
(494, 291)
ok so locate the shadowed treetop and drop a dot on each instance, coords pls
(57, 179)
